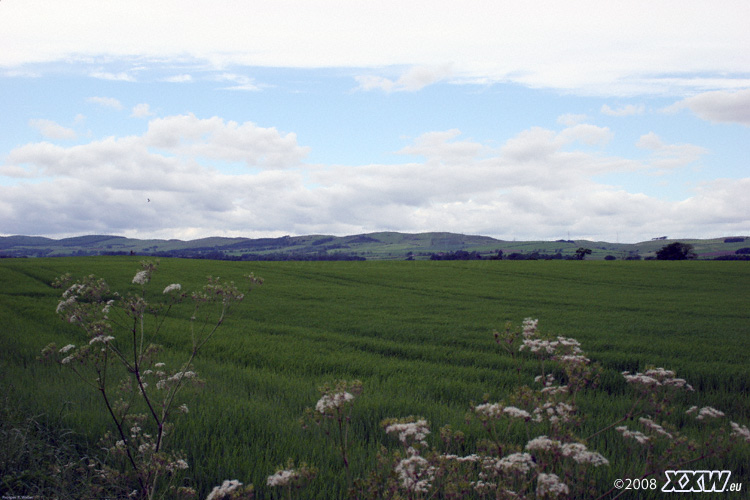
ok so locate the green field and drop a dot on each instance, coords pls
(419, 335)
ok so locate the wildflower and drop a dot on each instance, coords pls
(415, 474)
(657, 377)
(579, 453)
(554, 412)
(141, 277)
(171, 288)
(741, 431)
(177, 465)
(647, 422)
(101, 338)
(493, 410)
(638, 436)
(227, 487)
(183, 408)
(529, 327)
(538, 345)
(64, 304)
(332, 402)
(416, 431)
(516, 412)
(516, 462)
(281, 478)
(66, 348)
(550, 484)
(542, 443)
(709, 412)
(68, 359)
(159, 365)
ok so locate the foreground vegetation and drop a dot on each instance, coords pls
(418, 335)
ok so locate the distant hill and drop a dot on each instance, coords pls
(371, 246)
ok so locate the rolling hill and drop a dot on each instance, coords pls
(371, 246)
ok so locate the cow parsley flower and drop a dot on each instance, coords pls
(415, 473)
(741, 431)
(579, 453)
(227, 487)
(410, 432)
(647, 422)
(637, 435)
(542, 443)
(709, 412)
(66, 348)
(171, 288)
(516, 412)
(490, 410)
(516, 462)
(550, 485)
(282, 478)
(141, 277)
(330, 402)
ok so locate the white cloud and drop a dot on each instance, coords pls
(627, 110)
(183, 78)
(107, 102)
(415, 78)
(241, 82)
(669, 156)
(570, 119)
(533, 186)
(52, 130)
(721, 106)
(213, 138)
(142, 110)
(117, 77)
(585, 45)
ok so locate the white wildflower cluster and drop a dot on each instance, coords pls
(657, 377)
(330, 403)
(569, 349)
(416, 474)
(529, 327)
(105, 339)
(410, 432)
(542, 443)
(282, 477)
(579, 453)
(658, 429)
(468, 458)
(489, 410)
(174, 287)
(142, 277)
(516, 462)
(550, 485)
(175, 379)
(226, 488)
(554, 412)
(67, 348)
(705, 412)
(179, 464)
(637, 435)
(576, 451)
(496, 410)
(549, 389)
(740, 431)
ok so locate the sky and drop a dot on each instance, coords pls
(521, 120)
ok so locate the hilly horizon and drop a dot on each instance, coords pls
(366, 246)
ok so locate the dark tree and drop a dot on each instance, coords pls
(581, 253)
(676, 251)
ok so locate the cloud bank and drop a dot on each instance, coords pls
(216, 177)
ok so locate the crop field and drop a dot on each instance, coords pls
(418, 335)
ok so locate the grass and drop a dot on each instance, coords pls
(418, 334)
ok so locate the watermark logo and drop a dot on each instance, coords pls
(694, 481)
